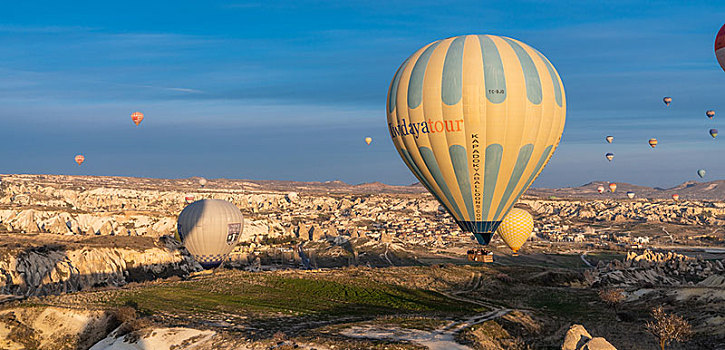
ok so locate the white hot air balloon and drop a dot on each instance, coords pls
(209, 229)
(202, 182)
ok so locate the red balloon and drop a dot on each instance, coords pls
(137, 117)
(720, 47)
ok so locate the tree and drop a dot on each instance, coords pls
(612, 297)
(668, 328)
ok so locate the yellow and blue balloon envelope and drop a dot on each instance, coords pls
(516, 228)
(476, 118)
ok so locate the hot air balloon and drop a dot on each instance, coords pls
(476, 118)
(202, 182)
(189, 199)
(368, 140)
(137, 117)
(653, 143)
(612, 187)
(609, 139)
(713, 133)
(209, 229)
(710, 114)
(516, 228)
(720, 47)
(676, 197)
(630, 194)
(600, 189)
(701, 173)
(667, 100)
(80, 159)
(609, 156)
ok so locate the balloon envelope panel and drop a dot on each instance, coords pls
(210, 229)
(476, 118)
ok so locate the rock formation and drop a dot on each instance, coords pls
(654, 269)
(577, 338)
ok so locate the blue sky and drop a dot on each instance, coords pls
(288, 90)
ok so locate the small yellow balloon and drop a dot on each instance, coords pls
(368, 140)
(516, 228)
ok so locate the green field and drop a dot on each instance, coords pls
(277, 295)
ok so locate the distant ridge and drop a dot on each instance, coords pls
(693, 190)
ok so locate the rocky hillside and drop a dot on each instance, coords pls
(70, 266)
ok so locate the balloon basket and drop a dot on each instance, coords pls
(480, 255)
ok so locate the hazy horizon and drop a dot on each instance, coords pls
(415, 182)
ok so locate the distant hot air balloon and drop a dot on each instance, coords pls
(701, 173)
(368, 140)
(609, 139)
(600, 189)
(189, 199)
(667, 100)
(609, 156)
(476, 118)
(713, 133)
(137, 117)
(676, 196)
(80, 159)
(710, 114)
(202, 182)
(653, 143)
(209, 229)
(612, 187)
(516, 228)
(630, 194)
(720, 47)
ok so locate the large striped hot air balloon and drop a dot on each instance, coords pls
(137, 117)
(653, 143)
(516, 229)
(209, 229)
(720, 47)
(667, 100)
(476, 118)
(80, 159)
